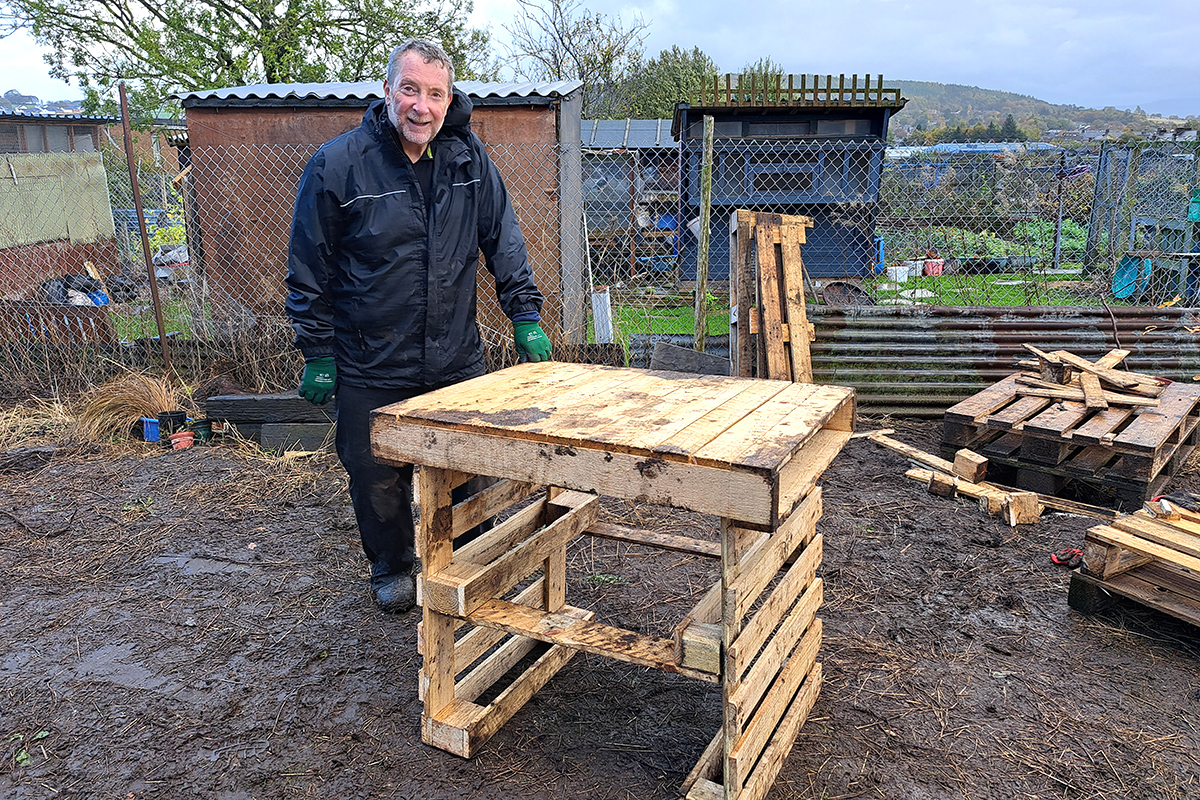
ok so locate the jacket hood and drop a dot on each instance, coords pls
(458, 115)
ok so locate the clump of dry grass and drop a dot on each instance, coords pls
(36, 420)
(115, 407)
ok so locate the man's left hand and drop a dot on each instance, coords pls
(532, 341)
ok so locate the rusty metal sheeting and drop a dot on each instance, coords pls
(919, 361)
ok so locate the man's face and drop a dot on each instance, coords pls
(418, 102)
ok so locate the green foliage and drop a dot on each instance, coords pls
(189, 45)
(945, 242)
(1039, 233)
(673, 76)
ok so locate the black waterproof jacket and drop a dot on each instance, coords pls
(385, 288)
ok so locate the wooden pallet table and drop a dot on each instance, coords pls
(1151, 560)
(1131, 451)
(747, 451)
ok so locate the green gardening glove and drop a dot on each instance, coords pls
(320, 376)
(531, 341)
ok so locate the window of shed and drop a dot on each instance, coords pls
(35, 138)
(10, 139)
(778, 128)
(58, 139)
(844, 127)
(85, 139)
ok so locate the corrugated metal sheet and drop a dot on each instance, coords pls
(371, 90)
(58, 116)
(920, 361)
(625, 134)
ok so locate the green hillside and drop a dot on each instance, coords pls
(935, 105)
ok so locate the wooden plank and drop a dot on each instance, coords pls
(469, 648)
(462, 727)
(1093, 395)
(768, 766)
(736, 494)
(1057, 421)
(770, 312)
(747, 288)
(503, 537)
(463, 586)
(1144, 589)
(753, 572)
(979, 406)
(1004, 446)
(1105, 560)
(1149, 430)
(697, 427)
(484, 676)
(704, 789)
(1095, 429)
(436, 525)
(913, 454)
(776, 700)
(1089, 461)
(1160, 532)
(1014, 414)
(1112, 358)
(708, 768)
(489, 503)
(766, 440)
(698, 646)
(1030, 388)
(791, 237)
(516, 387)
(1107, 534)
(565, 628)
(1122, 380)
(749, 642)
(660, 541)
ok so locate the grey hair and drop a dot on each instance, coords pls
(429, 52)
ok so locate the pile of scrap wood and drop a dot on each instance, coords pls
(1064, 376)
(965, 476)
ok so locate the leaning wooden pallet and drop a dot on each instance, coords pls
(1151, 556)
(1065, 418)
(747, 451)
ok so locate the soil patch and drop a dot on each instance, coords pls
(197, 624)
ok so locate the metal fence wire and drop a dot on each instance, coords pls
(613, 243)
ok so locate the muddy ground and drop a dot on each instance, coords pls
(196, 624)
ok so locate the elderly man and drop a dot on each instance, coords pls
(389, 223)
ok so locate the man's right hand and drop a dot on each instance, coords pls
(320, 377)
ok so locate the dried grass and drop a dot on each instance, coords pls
(112, 409)
(35, 421)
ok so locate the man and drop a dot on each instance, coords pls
(390, 219)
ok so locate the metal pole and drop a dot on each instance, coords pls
(701, 329)
(1062, 174)
(137, 205)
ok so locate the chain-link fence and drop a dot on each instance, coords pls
(612, 240)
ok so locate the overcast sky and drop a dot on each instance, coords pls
(1085, 52)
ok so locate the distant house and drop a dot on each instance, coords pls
(247, 146)
(807, 145)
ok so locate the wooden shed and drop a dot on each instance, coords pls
(810, 145)
(248, 145)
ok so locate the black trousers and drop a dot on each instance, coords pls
(381, 494)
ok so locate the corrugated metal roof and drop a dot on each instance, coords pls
(57, 115)
(624, 134)
(373, 90)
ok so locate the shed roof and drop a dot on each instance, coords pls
(626, 134)
(58, 116)
(357, 94)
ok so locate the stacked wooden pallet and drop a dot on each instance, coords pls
(1065, 418)
(1152, 556)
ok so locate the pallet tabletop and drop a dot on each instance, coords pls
(710, 420)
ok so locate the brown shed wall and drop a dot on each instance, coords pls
(246, 163)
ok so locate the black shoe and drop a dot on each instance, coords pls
(394, 594)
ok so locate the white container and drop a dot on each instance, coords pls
(898, 273)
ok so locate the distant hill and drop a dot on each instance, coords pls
(934, 105)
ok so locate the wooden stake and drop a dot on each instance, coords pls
(970, 466)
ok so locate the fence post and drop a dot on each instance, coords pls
(701, 328)
(131, 162)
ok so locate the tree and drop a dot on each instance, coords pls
(760, 75)
(560, 40)
(673, 76)
(188, 45)
(1009, 131)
